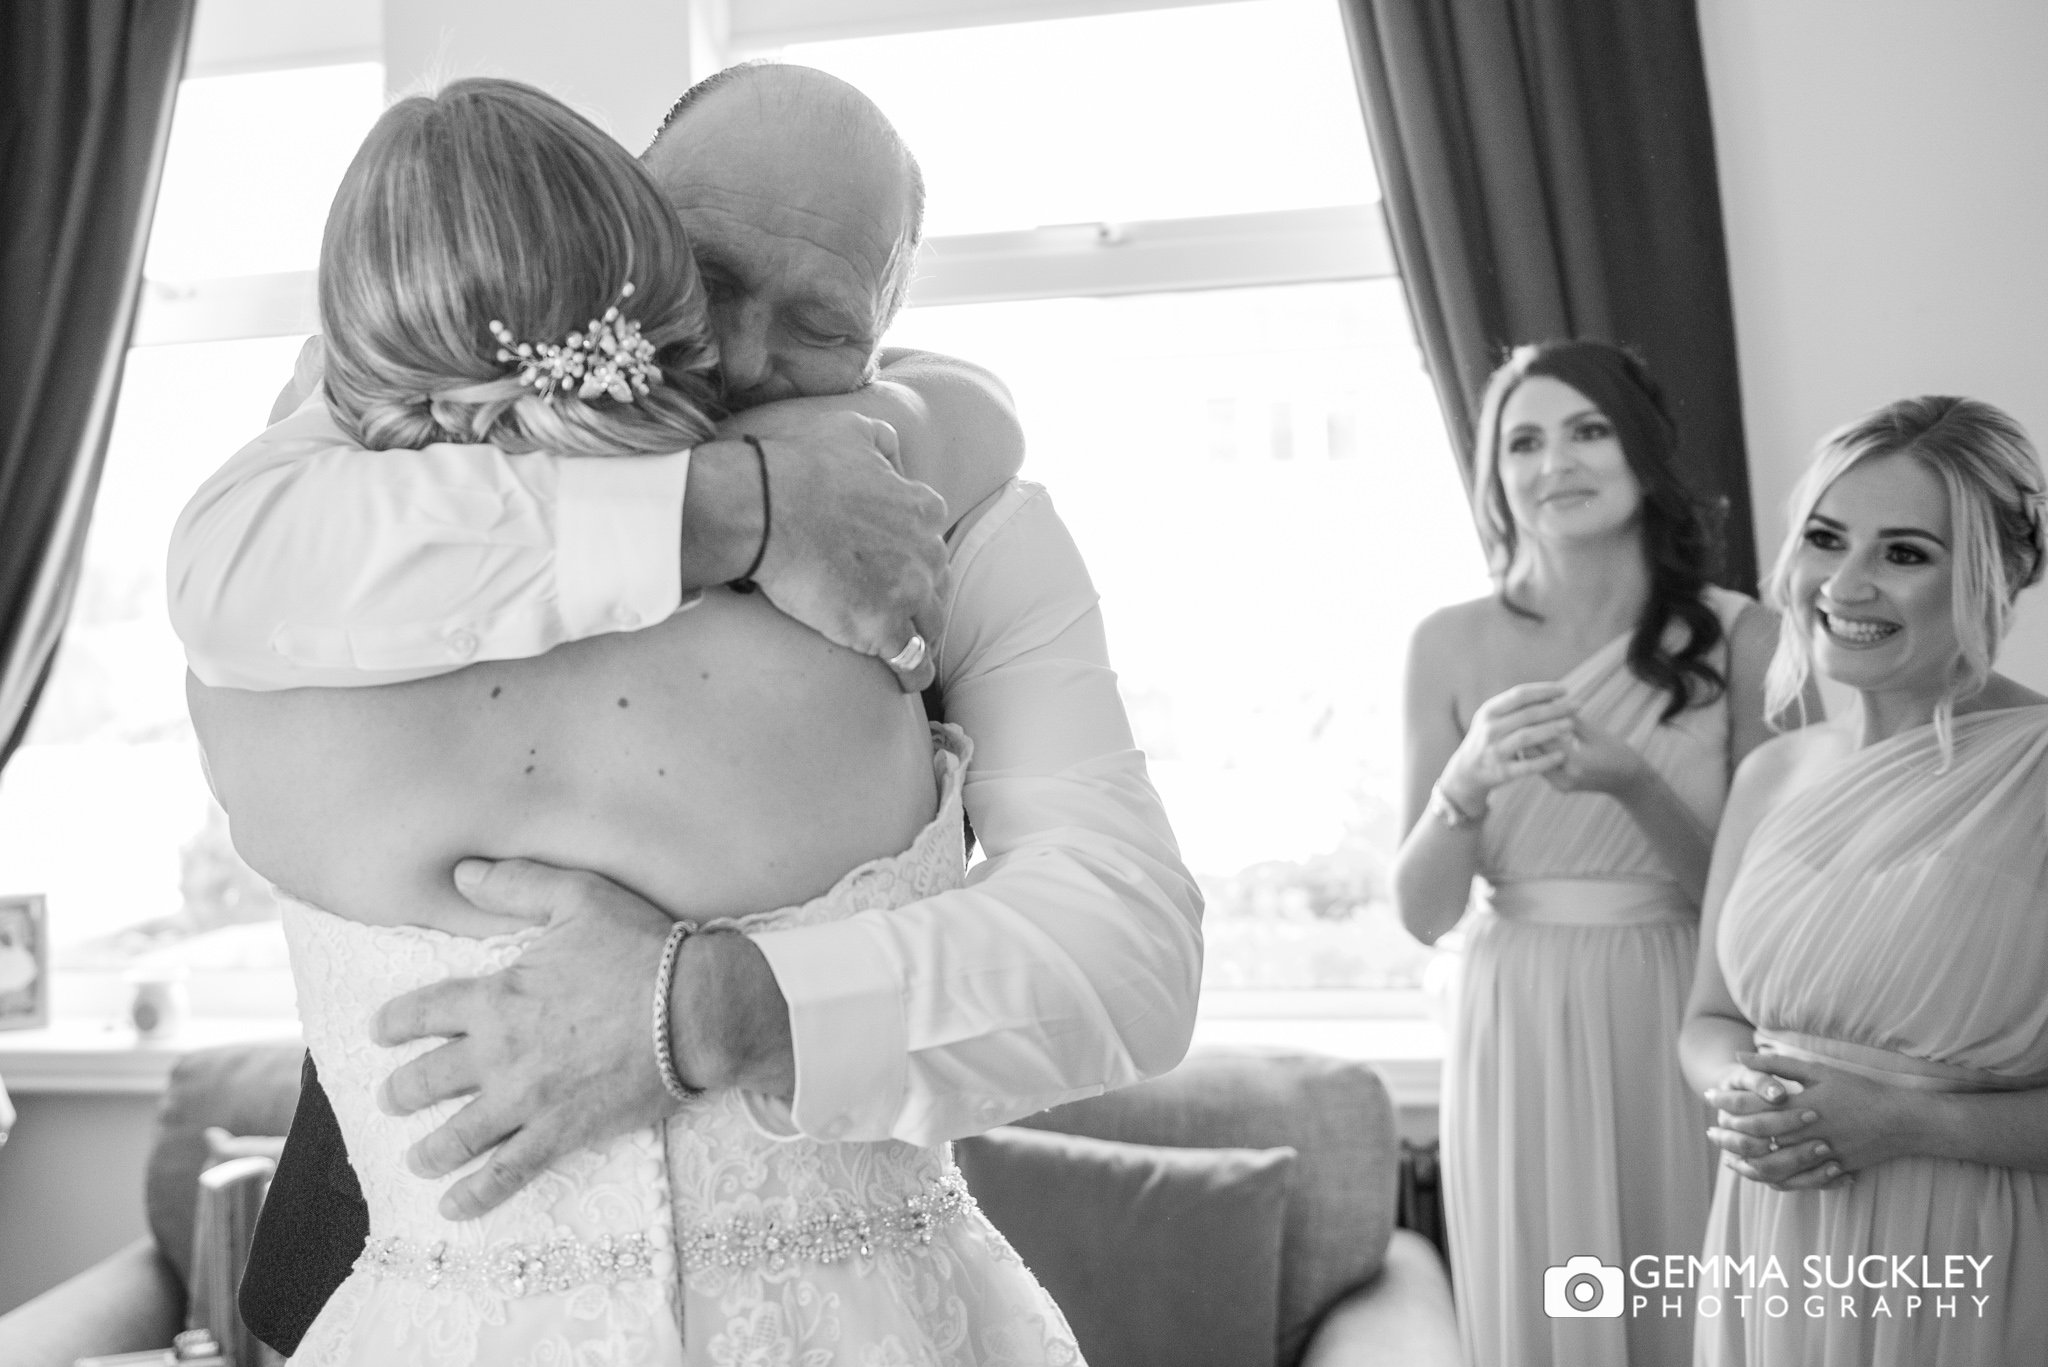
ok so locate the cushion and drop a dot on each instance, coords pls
(247, 1089)
(1160, 1257)
(1335, 1114)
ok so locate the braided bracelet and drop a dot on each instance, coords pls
(745, 583)
(664, 980)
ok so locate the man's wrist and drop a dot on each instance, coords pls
(722, 513)
(728, 1022)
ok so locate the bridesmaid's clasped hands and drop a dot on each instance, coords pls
(1517, 732)
(1598, 761)
(1798, 1125)
(1535, 728)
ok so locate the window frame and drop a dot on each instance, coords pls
(750, 27)
(1077, 260)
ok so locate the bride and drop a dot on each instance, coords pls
(495, 269)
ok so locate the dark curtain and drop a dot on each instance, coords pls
(1548, 171)
(86, 89)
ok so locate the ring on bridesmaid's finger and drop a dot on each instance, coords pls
(1774, 1143)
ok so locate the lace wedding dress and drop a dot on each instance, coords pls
(723, 1238)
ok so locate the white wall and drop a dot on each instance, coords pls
(1884, 177)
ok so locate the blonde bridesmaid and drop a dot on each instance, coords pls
(1870, 1020)
(1569, 744)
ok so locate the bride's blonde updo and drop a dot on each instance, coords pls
(491, 201)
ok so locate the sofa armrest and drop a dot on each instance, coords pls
(127, 1302)
(1403, 1316)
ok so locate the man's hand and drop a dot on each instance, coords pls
(556, 1049)
(855, 550)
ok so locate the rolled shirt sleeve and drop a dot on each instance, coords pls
(1071, 961)
(306, 560)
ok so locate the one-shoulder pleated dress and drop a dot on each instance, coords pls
(1891, 919)
(1568, 1127)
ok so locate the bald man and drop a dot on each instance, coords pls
(1070, 962)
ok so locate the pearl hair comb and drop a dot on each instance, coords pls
(608, 357)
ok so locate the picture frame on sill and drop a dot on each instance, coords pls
(24, 962)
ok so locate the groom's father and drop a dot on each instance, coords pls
(1070, 962)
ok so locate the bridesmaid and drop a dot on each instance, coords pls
(1570, 741)
(1877, 926)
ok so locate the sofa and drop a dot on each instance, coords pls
(138, 1297)
(1353, 1290)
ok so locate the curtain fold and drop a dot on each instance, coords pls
(87, 88)
(1548, 170)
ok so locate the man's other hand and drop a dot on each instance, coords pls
(556, 1050)
(856, 551)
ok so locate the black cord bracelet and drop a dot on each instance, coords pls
(745, 583)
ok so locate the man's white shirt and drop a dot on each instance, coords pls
(1070, 961)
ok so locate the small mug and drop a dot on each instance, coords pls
(159, 1006)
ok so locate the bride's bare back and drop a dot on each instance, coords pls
(725, 761)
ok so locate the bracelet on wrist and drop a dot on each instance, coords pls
(745, 583)
(664, 982)
(1454, 816)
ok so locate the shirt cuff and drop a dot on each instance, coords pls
(846, 1026)
(619, 541)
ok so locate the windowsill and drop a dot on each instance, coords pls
(1314, 1003)
(1408, 1052)
(93, 1056)
(98, 1057)
(93, 1051)
(1395, 1030)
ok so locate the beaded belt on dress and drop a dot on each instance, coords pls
(827, 1232)
(513, 1268)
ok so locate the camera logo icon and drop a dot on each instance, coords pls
(1583, 1289)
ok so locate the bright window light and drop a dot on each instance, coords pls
(104, 808)
(1214, 109)
(252, 167)
(1267, 502)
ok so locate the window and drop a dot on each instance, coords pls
(1159, 114)
(104, 808)
(1160, 227)
(1220, 386)
(1262, 493)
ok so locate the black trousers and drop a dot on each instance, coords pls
(313, 1227)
